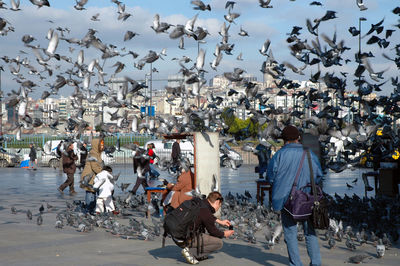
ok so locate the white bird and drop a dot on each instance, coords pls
(200, 60)
(80, 4)
(15, 5)
(264, 48)
(361, 6)
(134, 126)
(53, 43)
(216, 61)
(181, 44)
(190, 25)
(81, 58)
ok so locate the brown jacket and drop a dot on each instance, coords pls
(184, 184)
(68, 162)
(93, 165)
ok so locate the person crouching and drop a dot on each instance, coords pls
(105, 187)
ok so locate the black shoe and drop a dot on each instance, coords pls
(369, 188)
(205, 257)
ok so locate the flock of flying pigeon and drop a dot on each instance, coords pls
(325, 50)
(333, 130)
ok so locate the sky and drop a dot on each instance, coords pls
(261, 24)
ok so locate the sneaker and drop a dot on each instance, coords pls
(115, 212)
(59, 190)
(189, 258)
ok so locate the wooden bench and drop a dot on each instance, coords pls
(262, 186)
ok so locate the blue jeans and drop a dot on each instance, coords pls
(90, 201)
(153, 171)
(290, 231)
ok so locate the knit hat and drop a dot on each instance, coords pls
(290, 133)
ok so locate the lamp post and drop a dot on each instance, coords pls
(359, 54)
(1, 104)
(359, 46)
(199, 74)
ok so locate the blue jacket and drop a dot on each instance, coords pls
(282, 170)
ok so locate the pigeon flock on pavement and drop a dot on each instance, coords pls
(355, 222)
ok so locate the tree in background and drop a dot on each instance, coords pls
(239, 128)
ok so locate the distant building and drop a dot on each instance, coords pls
(12, 114)
(219, 81)
(175, 80)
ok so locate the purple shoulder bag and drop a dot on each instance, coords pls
(300, 203)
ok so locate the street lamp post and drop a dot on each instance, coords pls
(359, 46)
(151, 87)
(359, 54)
(1, 105)
(200, 75)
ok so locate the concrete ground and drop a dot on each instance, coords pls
(23, 242)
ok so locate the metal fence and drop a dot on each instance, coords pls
(10, 141)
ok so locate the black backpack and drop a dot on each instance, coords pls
(58, 150)
(180, 222)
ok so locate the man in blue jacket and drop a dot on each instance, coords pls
(281, 173)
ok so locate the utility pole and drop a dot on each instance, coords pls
(359, 56)
(1, 104)
(151, 87)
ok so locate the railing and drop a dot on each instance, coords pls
(10, 141)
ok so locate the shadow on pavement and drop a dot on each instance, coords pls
(170, 251)
(253, 253)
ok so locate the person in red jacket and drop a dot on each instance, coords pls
(151, 153)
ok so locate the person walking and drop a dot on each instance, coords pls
(151, 153)
(69, 167)
(175, 155)
(84, 154)
(32, 156)
(281, 173)
(141, 167)
(93, 166)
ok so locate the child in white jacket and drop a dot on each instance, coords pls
(104, 185)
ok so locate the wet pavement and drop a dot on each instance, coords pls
(22, 242)
(44, 181)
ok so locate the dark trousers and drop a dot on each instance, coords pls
(90, 201)
(139, 181)
(208, 244)
(69, 182)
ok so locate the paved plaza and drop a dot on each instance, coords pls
(23, 242)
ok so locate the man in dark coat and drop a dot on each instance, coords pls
(32, 156)
(69, 167)
(84, 154)
(175, 155)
